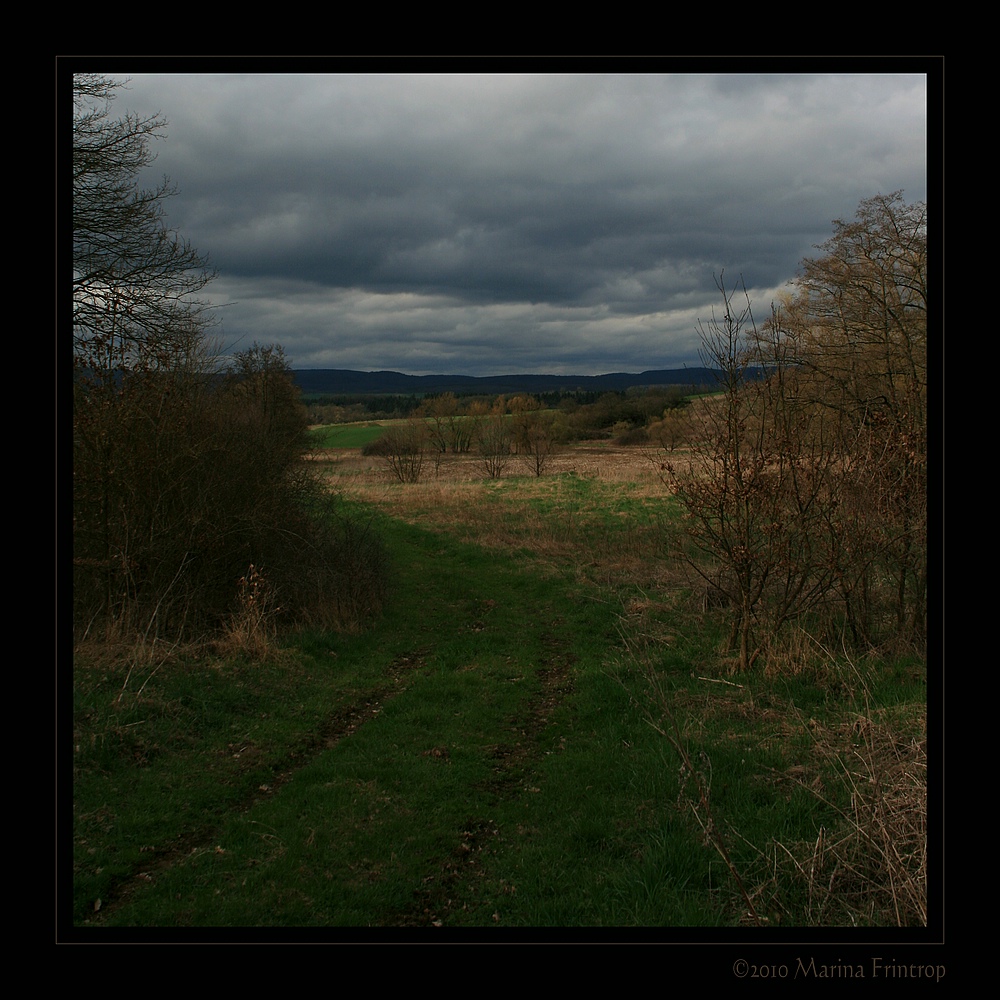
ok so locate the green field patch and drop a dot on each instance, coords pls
(345, 435)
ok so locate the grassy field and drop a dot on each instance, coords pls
(539, 732)
(345, 436)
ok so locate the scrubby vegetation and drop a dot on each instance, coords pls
(809, 487)
(187, 472)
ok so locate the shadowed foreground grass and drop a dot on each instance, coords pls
(518, 741)
(469, 761)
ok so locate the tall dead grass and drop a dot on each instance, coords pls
(252, 625)
(869, 867)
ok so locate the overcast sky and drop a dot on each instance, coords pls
(481, 224)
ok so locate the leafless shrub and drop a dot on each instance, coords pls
(494, 437)
(403, 448)
(756, 485)
(251, 627)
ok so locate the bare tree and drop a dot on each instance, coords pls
(494, 438)
(135, 281)
(673, 429)
(435, 412)
(533, 432)
(757, 480)
(403, 447)
(860, 315)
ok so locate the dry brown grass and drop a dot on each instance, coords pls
(866, 766)
(870, 869)
(604, 462)
(521, 513)
(251, 628)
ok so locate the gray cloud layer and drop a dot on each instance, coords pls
(488, 224)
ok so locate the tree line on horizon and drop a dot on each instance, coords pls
(607, 407)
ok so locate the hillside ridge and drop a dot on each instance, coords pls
(343, 381)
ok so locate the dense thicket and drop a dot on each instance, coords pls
(187, 480)
(809, 487)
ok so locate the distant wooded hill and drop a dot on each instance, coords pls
(342, 381)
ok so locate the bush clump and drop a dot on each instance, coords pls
(185, 483)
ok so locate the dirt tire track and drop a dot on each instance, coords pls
(448, 888)
(341, 725)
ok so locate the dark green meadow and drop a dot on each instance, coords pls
(346, 435)
(537, 732)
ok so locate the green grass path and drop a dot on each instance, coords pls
(470, 761)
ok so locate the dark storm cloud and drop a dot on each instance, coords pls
(491, 223)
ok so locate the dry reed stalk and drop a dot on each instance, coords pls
(251, 627)
(870, 868)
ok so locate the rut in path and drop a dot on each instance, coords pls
(341, 725)
(449, 879)
(450, 884)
